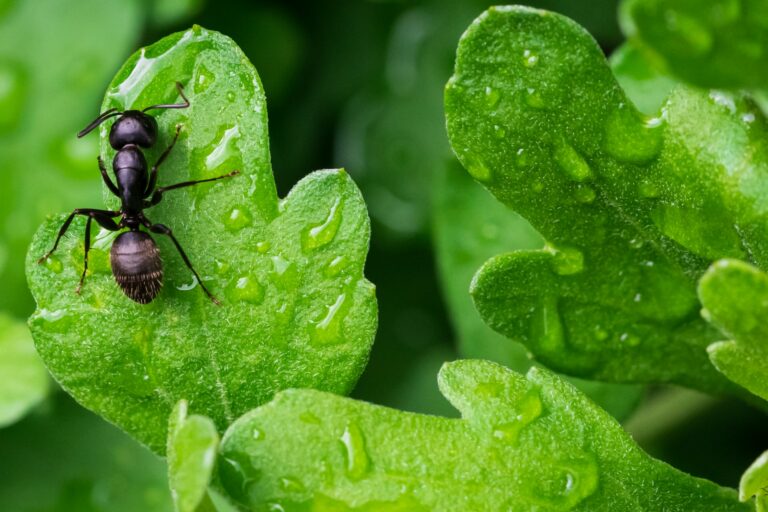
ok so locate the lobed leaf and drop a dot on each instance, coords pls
(523, 443)
(24, 381)
(713, 44)
(633, 209)
(297, 310)
(735, 297)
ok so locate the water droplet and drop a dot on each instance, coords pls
(231, 96)
(631, 137)
(258, 434)
(284, 315)
(638, 297)
(648, 189)
(585, 194)
(354, 451)
(530, 59)
(475, 167)
(569, 483)
(499, 131)
(322, 234)
(224, 152)
(629, 339)
(537, 186)
(284, 272)
(13, 92)
(723, 99)
(528, 408)
(636, 243)
(748, 118)
(521, 158)
(492, 97)
(237, 219)
(203, 79)
(336, 266)
(246, 289)
(291, 485)
(54, 264)
(533, 98)
(566, 261)
(237, 473)
(489, 389)
(695, 37)
(600, 333)
(547, 327)
(571, 162)
(54, 321)
(263, 247)
(222, 267)
(328, 329)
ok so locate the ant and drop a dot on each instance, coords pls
(134, 256)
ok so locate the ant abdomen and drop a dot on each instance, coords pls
(137, 266)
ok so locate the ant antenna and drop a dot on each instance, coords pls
(180, 88)
(96, 122)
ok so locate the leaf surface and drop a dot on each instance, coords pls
(754, 483)
(735, 298)
(632, 208)
(523, 443)
(297, 311)
(24, 380)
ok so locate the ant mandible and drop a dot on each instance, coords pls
(135, 258)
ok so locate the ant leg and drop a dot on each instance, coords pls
(104, 214)
(105, 222)
(158, 195)
(165, 230)
(153, 174)
(110, 185)
(179, 88)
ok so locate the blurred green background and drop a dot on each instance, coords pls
(354, 84)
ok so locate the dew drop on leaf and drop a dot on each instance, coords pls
(529, 408)
(224, 152)
(322, 234)
(530, 59)
(566, 261)
(203, 79)
(571, 162)
(631, 137)
(263, 247)
(237, 218)
(547, 326)
(54, 264)
(492, 97)
(533, 98)
(336, 266)
(246, 289)
(284, 272)
(328, 328)
(356, 457)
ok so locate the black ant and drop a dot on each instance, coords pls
(134, 256)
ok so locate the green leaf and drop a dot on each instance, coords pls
(633, 209)
(55, 57)
(754, 482)
(641, 81)
(735, 298)
(718, 43)
(523, 443)
(297, 311)
(63, 458)
(192, 445)
(24, 379)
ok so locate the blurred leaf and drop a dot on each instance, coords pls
(735, 298)
(536, 443)
(24, 379)
(642, 83)
(297, 310)
(66, 459)
(718, 43)
(48, 85)
(168, 12)
(754, 482)
(633, 209)
(192, 445)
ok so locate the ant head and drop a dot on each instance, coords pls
(133, 127)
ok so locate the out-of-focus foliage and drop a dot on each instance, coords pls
(56, 57)
(297, 311)
(23, 378)
(62, 458)
(712, 44)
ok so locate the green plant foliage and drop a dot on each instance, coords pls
(192, 445)
(717, 43)
(642, 83)
(735, 298)
(536, 443)
(297, 311)
(69, 50)
(63, 458)
(754, 482)
(633, 208)
(23, 378)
